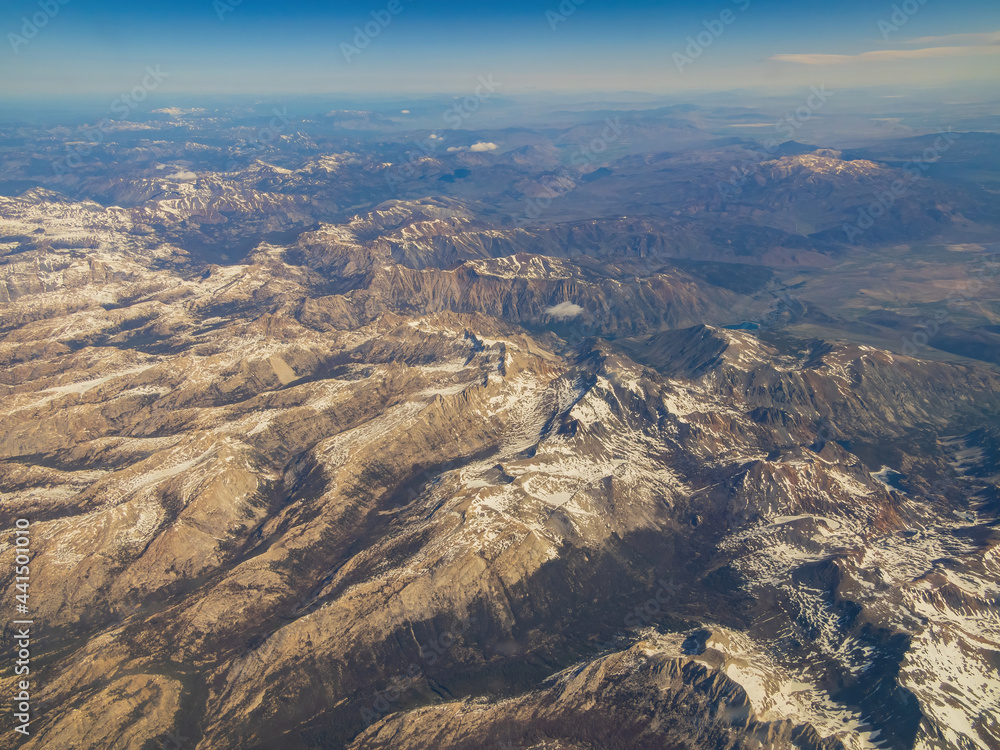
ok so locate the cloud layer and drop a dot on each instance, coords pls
(975, 44)
(481, 146)
(564, 310)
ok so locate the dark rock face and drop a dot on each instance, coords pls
(642, 698)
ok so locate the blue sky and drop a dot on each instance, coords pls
(259, 47)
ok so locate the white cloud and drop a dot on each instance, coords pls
(991, 37)
(949, 45)
(564, 310)
(176, 111)
(887, 54)
(182, 176)
(481, 146)
(404, 111)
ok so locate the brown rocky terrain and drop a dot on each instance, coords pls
(324, 445)
(400, 504)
